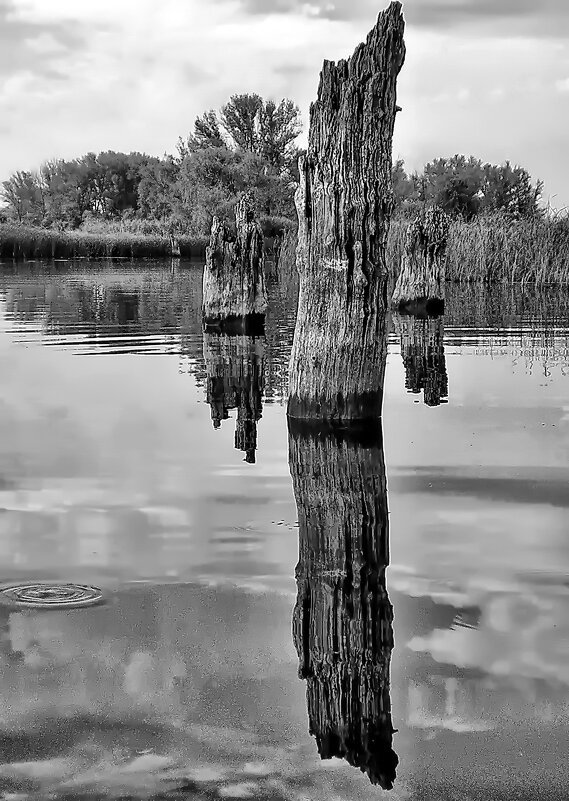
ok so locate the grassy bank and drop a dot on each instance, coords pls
(21, 242)
(495, 248)
(488, 249)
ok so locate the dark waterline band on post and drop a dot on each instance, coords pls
(251, 325)
(347, 412)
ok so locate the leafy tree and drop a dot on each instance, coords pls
(510, 189)
(207, 132)
(159, 194)
(403, 185)
(24, 197)
(454, 184)
(279, 127)
(240, 118)
(464, 186)
(211, 181)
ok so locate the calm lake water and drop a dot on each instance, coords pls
(152, 461)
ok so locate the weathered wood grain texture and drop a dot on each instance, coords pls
(235, 367)
(423, 355)
(344, 202)
(421, 282)
(234, 278)
(342, 624)
(174, 247)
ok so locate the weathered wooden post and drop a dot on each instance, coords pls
(235, 368)
(423, 356)
(421, 282)
(174, 246)
(234, 295)
(344, 203)
(342, 622)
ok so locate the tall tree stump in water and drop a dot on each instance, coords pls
(420, 286)
(344, 203)
(423, 356)
(234, 295)
(342, 624)
(235, 367)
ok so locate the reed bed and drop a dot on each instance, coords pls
(25, 243)
(488, 249)
(498, 249)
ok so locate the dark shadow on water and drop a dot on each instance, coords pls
(251, 325)
(343, 619)
(235, 367)
(489, 488)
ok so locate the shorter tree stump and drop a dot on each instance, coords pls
(420, 287)
(234, 295)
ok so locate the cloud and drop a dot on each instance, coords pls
(34, 46)
(138, 73)
(562, 85)
(133, 75)
(519, 635)
(549, 17)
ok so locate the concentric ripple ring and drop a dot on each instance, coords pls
(46, 595)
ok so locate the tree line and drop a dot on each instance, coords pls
(249, 144)
(466, 187)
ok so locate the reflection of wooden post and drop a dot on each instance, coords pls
(234, 280)
(126, 306)
(421, 282)
(343, 618)
(235, 380)
(423, 354)
(344, 204)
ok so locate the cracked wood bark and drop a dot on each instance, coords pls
(174, 247)
(234, 294)
(342, 623)
(423, 355)
(235, 367)
(420, 286)
(344, 203)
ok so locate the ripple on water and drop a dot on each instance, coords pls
(51, 596)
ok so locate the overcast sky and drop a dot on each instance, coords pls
(482, 77)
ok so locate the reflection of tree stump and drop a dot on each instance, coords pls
(126, 306)
(343, 618)
(234, 280)
(344, 203)
(421, 282)
(235, 380)
(423, 356)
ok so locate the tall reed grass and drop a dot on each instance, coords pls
(21, 242)
(498, 249)
(489, 249)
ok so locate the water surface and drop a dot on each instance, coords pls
(138, 455)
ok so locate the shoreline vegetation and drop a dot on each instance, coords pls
(29, 243)
(132, 205)
(497, 248)
(486, 249)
